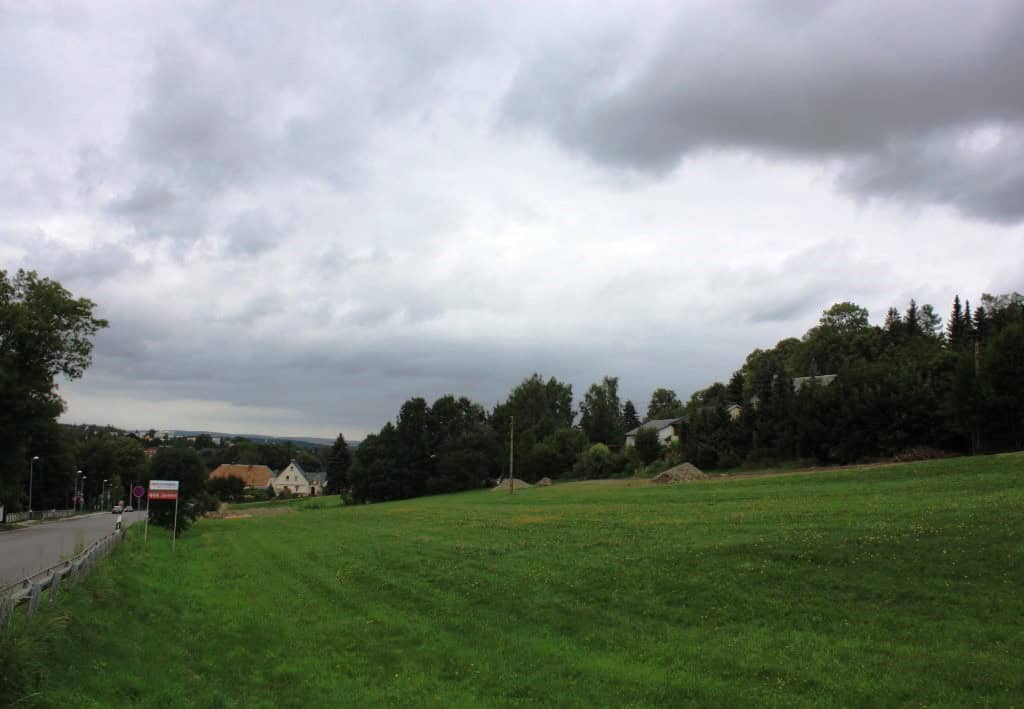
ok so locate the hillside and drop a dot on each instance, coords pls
(886, 585)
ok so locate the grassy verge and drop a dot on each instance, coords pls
(890, 585)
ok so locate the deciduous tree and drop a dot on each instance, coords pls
(664, 404)
(44, 333)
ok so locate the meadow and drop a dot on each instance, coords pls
(881, 586)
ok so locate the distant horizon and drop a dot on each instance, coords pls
(183, 432)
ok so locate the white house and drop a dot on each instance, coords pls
(298, 482)
(667, 430)
(819, 379)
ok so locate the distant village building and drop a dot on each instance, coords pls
(668, 430)
(252, 475)
(819, 379)
(734, 411)
(296, 481)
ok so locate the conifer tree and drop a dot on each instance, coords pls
(969, 332)
(955, 326)
(893, 321)
(629, 417)
(912, 320)
(930, 321)
(339, 460)
(981, 324)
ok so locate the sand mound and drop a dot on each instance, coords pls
(503, 485)
(678, 474)
(543, 482)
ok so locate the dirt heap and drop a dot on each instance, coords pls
(543, 482)
(678, 474)
(227, 513)
(503, 485)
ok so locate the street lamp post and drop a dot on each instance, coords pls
(81, 494)
(31, 470)
(103, 494)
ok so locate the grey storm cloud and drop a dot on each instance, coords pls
(891, 92)
(297, 216)
(144, 199)
(253, 233)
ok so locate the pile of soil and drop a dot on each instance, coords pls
(226, 513)
(678, 474)
(504, 484)
(543, 482)
(908, 455)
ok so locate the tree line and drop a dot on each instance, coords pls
(906, 384)
(846, 390)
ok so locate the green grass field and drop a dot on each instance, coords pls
(897, 585)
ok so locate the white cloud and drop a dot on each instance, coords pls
(296, 219)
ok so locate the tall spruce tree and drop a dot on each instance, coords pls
(955, 326)
(931, 321)
(629, 418)
(912, 319)
(339, 460)
(981, 324)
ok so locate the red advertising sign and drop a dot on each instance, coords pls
(163, 494)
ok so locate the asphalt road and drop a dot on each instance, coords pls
(29, 550)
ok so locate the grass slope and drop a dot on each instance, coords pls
(899, 585)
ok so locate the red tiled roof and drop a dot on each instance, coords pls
(251, 475)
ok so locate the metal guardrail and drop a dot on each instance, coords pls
(65, 573)
(12, 517)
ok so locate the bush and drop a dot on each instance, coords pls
(205, 502)
(705, 457)
(728, 459)
(229, 489)
(648, 445)
(596, 462)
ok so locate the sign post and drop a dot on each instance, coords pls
(164, 490)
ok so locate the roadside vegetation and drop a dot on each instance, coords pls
(880, 586)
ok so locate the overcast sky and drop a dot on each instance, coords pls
(298, 215)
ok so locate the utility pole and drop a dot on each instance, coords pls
(31, 470)
(511, 455)
(976, 433)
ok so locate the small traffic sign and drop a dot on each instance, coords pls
(138, 491)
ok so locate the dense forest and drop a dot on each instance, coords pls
(911, 386)
(846, 391)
